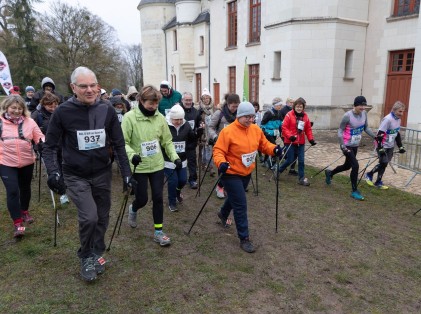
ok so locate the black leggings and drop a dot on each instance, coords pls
(156, 179)
(350, 162)
(17, 182)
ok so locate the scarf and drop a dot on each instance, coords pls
(145, 111)
(229, 116)
(13, 120)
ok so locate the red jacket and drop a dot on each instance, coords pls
(237, 144)
(16, 152)
(289, 128)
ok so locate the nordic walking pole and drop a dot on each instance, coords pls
(419, 210)
(39, 179)
(257, 183)
(304, 153)
(328, 166)
(199, 163)
(280, 161)
(123, 205)
(368, 164)
(204, 204)
(204, 174)
(56, 220)
(277, 193)
(129, 190)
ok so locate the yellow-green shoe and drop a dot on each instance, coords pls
(369, 179)
(381, 186)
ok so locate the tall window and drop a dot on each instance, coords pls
(175, 40)
(254, 31)
(232, 24)
(277, 58)
(406, 7)
(232, 80)
(253, 82)
(198, 86)
(349, 60)
(201, 45)
(402, 61)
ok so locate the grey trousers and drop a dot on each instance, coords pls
(92, 197)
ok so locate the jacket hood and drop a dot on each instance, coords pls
(132, 90)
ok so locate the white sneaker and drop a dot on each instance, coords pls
(219, 192)
(132, 217)
(161, 238)
(64, 199)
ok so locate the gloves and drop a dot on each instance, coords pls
(199, 132)
(212, 141)
(402, 150)
(178, 163)
(345, 150)
(223, 167)
(129, 182)
(56, 183)
(136, 160)
(382, 152)
(292, 138)
(277, 151)
(312, 142)
(40, 146)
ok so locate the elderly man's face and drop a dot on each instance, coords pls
(85, 88)
(165, 91)
(187, 101)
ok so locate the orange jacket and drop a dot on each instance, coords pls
(234, 144)
(16, 152)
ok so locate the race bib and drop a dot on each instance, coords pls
(180, 147)
(248, 159)
(149, 148)
(391, 138)
(300, 125)
(355, 139)
(191, 122)
(356, 135)
(91, 139)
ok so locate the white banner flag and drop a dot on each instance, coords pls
(5, 77)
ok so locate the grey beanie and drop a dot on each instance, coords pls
(245, 109)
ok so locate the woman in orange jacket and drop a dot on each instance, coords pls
(295, 127)
(234, 154)
(17, 158)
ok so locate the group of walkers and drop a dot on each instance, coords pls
(153, 136)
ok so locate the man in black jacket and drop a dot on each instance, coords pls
(87, 127)
(193, 117)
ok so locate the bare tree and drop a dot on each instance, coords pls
(134, 66)
(77, 37)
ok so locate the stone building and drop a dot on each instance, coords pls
(326, 51)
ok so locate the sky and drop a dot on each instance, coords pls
(122, 15)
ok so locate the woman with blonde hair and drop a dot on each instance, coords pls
(17, 158)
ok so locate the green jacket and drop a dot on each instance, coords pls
(138, 129)
(169, 101)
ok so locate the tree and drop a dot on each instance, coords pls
(79, 38)
(133, 59)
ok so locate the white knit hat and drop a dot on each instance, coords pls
(177, 112)
(206, 93)
(245, 109)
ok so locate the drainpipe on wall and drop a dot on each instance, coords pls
(209, 57)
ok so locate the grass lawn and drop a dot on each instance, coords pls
(331, 254)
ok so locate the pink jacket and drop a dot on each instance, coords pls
(16, 152)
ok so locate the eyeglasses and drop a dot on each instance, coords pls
(85, 86)
(250, 117)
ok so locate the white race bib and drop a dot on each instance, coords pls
(180, 147)
(149, 148)
(355, 139)
(191, 122)
(300, 125)
(248, 159)
(391, 138)
(91, 139)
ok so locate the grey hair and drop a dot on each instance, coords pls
(398, 105)
(187, 93)
(81, 70)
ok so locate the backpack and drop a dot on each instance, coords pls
(20, 132)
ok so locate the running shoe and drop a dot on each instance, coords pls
(357, 195)
(173, 208)
(381, 186)
(132, 217)
(87, 268)
(99, 263)
(26, 217)
(161, 238)
(328, 174)
(219, 192)
(19, 230)
(247, 246)
(369, 179)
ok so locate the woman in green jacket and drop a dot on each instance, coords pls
(146, 134)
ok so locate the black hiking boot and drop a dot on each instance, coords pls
(247, 246)
(87, 268)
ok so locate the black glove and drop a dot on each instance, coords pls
(136, 160)
(56, 183)
(129, 182)
(277, 151)
(212, 141)
(312, 142)
(345, 150)
(40, 146)
(382, 152)
(223, 167)
(178, 163)
(402, 150)
(292, 138)
(199, 132)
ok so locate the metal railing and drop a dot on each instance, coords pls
(411, 160)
